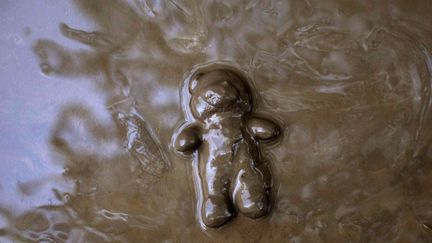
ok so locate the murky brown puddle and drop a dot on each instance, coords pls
(90, 99)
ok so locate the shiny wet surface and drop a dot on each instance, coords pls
(223, 133)
(90, 98)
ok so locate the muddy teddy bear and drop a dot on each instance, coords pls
(225, 135)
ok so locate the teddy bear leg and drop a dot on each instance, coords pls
(250, 193)
(217, 207)
(250, 185)
(216, 211)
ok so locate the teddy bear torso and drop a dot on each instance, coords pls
(225, 147)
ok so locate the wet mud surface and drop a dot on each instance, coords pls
(93, 92)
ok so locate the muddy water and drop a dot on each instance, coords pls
(90, 99)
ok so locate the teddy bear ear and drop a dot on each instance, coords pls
(193, 84)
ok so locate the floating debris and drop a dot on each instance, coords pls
(142, 145)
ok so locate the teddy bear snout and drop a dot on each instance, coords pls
(220, 95)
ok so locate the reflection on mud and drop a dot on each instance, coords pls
(352, 80)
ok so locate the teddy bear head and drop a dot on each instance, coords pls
(219, 91)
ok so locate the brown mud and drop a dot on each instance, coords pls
(92, 95)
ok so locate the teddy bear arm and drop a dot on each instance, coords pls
(262, 129)
(188, 139)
